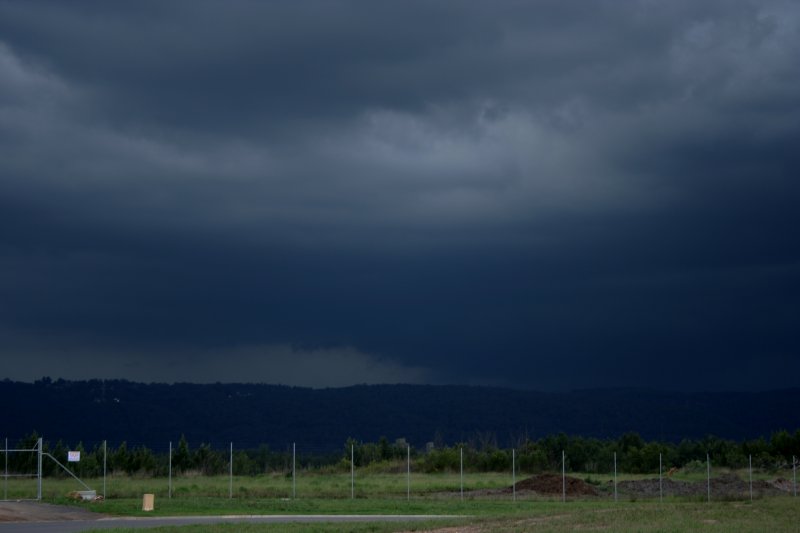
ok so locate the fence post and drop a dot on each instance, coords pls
(408, 475)
(660, 484)
(230, 476)
(750, 468)
(794, 475)
(462, 472)
(563, 476)
(169, 491)
(40, 446)
(352, 472)
(5, 474)
(708, 475)
(105, 462)
(513, 475)
(294, 471)
(615, 476)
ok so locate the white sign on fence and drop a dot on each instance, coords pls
(73, 457)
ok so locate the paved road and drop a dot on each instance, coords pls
(75, 526)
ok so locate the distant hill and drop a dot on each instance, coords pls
(322, 419)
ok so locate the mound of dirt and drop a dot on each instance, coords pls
(731, 485)
(724, 486)
(649, 488)
(553, 484)
(781, 484)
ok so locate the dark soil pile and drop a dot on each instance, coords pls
(730, 485)
(553, 484)
(724, 486)
(649, 488)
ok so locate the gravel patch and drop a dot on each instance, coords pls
(43, 512)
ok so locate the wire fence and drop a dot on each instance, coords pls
(383, 470)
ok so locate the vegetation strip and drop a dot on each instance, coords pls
(583, 454)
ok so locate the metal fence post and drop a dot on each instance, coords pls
(660, 484)
(230, 477)
(105, 463)
(462, 473)
(513, 475)
(39, 445)
(563, 476)
(352, 472)
(294, 470)
(708, 475)
(5, 474)
(615, 476)
(750, 468)
(408, 475)
(169, 489)
(794, 475)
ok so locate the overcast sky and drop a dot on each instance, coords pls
(546, 194)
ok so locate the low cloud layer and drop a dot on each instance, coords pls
(539, 195)
(273, 364)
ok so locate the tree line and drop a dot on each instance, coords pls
(481, 454)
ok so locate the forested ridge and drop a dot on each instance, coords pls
(322, 419)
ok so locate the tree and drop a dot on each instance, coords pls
(120, 459)
(385, 450)
(207, 460)
(181, 458)
(141, 460)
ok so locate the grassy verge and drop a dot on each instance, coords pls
(386, 493)
(306, 485)
(375, 527)
(319, 484)
(220, 506)
(776, 515)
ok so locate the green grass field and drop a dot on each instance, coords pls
(776, 515)
(321, 484)
(276, 486)
(385, 493)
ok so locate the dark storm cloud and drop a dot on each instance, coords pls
(542, 194)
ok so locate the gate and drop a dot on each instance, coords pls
(20, 464)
